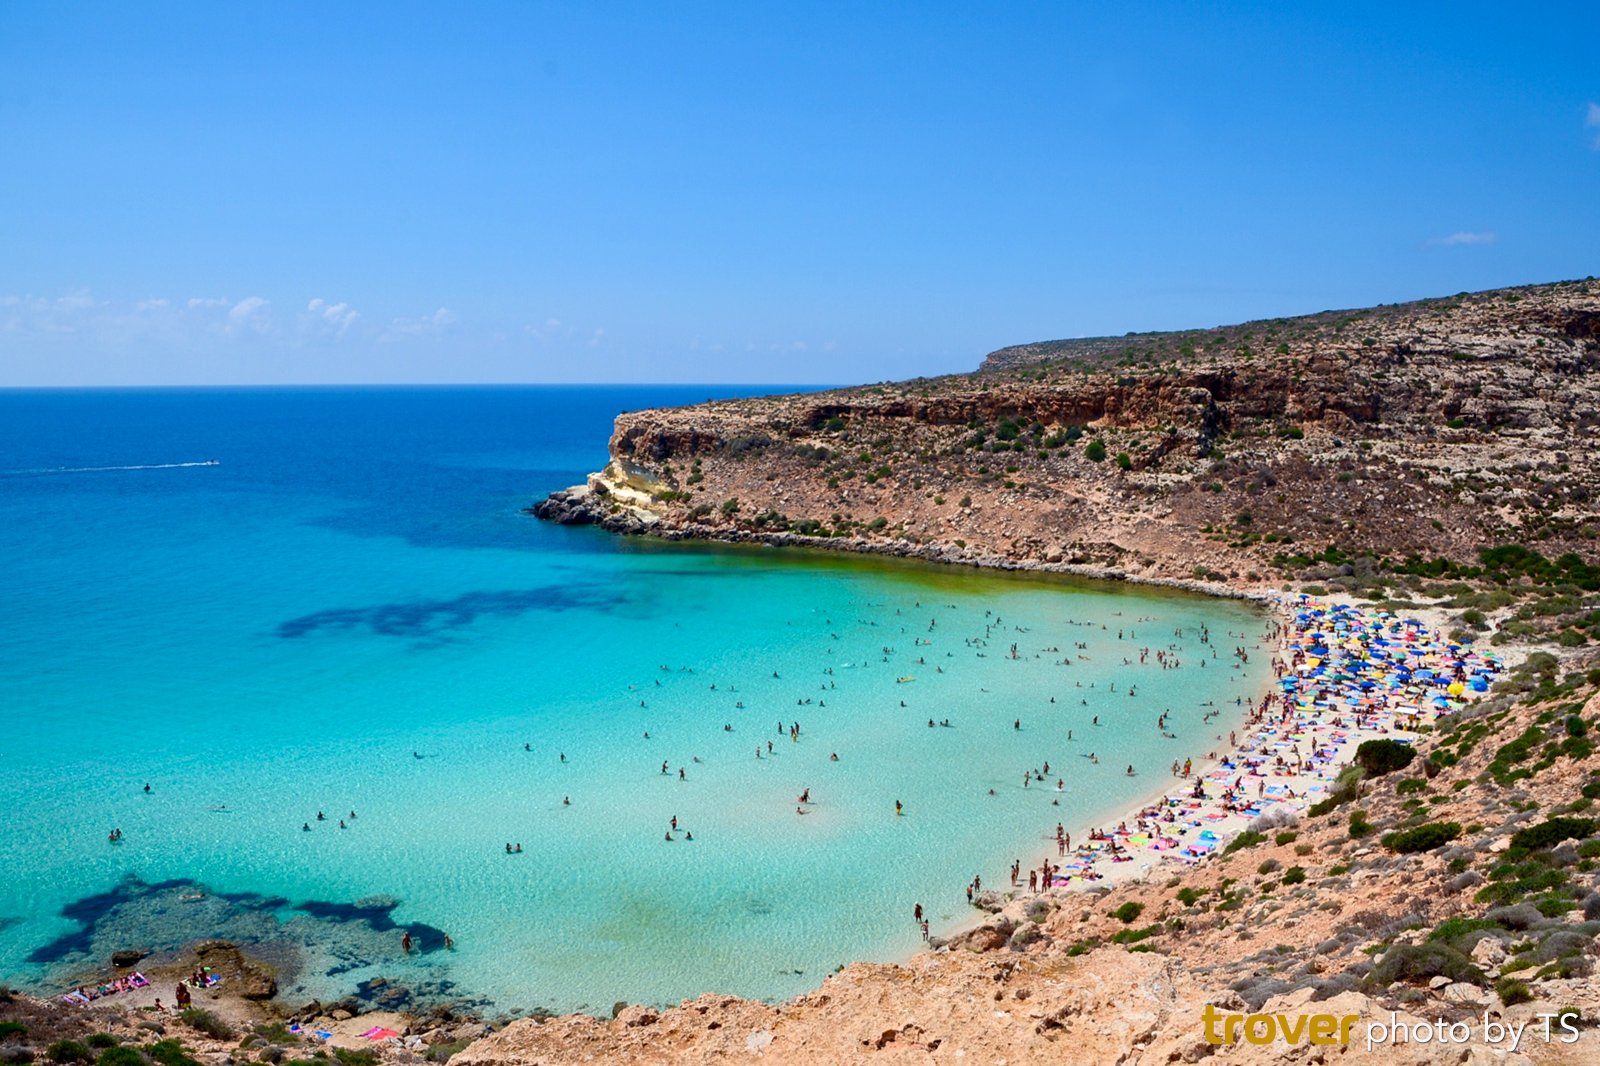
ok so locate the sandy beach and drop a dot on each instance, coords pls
(1343, 675)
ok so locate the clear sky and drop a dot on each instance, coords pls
(752, 192)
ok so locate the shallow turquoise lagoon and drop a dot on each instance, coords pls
(349, 612)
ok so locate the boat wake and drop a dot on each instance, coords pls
(43, 471)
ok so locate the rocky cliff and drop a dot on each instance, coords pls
(1378, 442)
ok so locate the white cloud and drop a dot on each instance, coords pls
(1593, 122)
(250, 313)
(198, 303)
(158, 304)
(337, 317)
(247, 307)
(1461, 237)
(73, 312)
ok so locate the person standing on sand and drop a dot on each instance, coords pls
(181, 993)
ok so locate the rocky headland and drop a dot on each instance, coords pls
(1380, 448)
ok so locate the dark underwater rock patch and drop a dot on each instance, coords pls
(430, 618)
(156, 921)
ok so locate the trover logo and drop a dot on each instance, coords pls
(1266, 1028)
(1300, 1029)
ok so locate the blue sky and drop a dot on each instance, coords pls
(235, 193)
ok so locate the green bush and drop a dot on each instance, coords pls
(1512, 991)
(1129, 912)
(1344, 788)
(1417, 962)
(1124, 461)
(202, 1020)
(170, 1053)
(69, 1051)
(353, 1057)
(1294, 875)
(1189, 896)
(1552, 831)
(1095, 451)
(1246, 839)
(1454, 928)
(103, 1041)
(1133, 936)
(13, 1029)
(1288, 836)
(1359, 826)
(1379, 757)
(121, 1056)
(1423, 838)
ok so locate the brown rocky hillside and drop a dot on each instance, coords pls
(1380, 451)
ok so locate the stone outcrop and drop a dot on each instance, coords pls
(1431, 429)
(249, 978)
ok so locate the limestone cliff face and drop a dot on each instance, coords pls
(1433, 428)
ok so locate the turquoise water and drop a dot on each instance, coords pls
(351, 613)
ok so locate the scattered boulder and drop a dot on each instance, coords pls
(636, 1016)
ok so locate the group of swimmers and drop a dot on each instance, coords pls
(305, 827)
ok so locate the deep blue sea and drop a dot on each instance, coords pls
(349, 612)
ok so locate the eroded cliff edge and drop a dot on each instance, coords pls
(1231, 457)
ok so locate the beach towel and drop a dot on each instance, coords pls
(323, 1034)
(139, 980)
(379, 1033)
(76, 999)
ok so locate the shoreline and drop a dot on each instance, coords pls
(1312, 781)
(1279, 608)
(575, 510)
(1118, 873)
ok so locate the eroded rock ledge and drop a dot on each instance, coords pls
(1431, 429)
